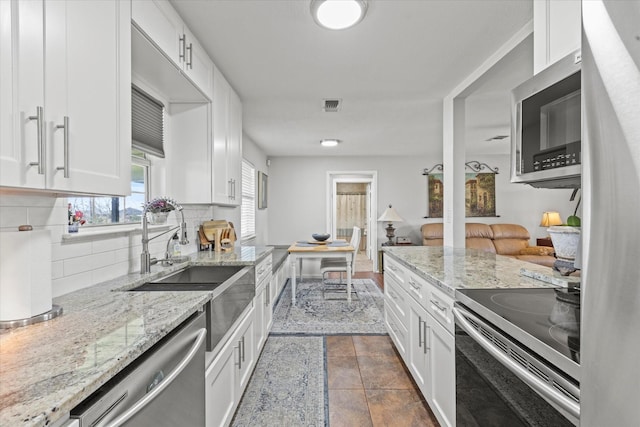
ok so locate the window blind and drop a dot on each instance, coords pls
(147, 123)
(248, 208)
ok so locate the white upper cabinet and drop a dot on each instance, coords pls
(188, 153)
(159, 21)
(22, 94)
(556, 31)
(227, 142)
(66, 116)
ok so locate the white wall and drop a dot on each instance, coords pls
(298, 194)
(297, 199)
(521, 203)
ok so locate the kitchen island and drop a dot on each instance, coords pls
(424, 288)
(455, 268)
(48, 368)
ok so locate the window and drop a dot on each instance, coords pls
(147, 134)
(248, 210)
(97, 211)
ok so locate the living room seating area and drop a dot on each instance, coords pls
(502, 239)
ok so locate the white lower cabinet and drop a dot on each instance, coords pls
(426, 343)
(441, 370)
(228, 375)
(260, 327)
(417, 355)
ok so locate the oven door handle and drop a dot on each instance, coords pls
(534, 382)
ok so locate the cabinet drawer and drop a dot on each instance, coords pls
(393, 269)
(440, 305)
(263, 270)
(417, 288)
(396, 299)
(396, 330)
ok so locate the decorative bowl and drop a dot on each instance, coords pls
(320, 237)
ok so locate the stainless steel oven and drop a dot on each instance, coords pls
(547, 127)
(517, 357)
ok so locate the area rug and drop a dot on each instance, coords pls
(287, 387)
(315, 315)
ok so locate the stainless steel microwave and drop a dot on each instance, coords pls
(546, 127)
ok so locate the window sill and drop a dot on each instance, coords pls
(114, 230)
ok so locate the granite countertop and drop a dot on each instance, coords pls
(48, 368)
(458, 268)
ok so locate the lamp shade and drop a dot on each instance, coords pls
(390, 215)
(550, 218)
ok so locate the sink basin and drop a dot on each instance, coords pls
(232, 291)
(194, 278)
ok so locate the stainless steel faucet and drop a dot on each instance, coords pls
(145, 257)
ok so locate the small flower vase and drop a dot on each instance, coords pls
(158, 218)
(73, 227)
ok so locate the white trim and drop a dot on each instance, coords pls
(453, 140)
(370, 177)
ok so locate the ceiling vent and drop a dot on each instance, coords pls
(332, 105)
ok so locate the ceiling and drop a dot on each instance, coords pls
(391, 71)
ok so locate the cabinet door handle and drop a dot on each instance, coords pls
(65, 126)
(190, 60)
(415, 286)
(437, 305)
(239, 364)
(420, 335)
(181, 47)
(424, 331)
(39, 118)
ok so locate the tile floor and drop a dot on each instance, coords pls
(368, 382)
(369, 386)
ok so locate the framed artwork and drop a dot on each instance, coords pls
(480, 194)
(436, 195)
(480, 191)
(262, 190)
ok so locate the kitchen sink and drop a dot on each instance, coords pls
(232, 290)
(194, 278)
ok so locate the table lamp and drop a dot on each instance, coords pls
(390, 215)
(548, 219)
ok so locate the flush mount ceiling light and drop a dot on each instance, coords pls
(330, 142)
(338, 14)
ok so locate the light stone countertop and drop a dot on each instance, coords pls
(48, 368)
(452, 268)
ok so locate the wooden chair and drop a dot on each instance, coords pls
(339, 265)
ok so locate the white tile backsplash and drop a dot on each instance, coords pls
(12, 216)
(82, 262)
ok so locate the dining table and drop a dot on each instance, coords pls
(302, 249)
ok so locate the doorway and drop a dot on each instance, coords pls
(352, 203)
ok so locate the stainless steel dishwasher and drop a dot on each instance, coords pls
(163, 387)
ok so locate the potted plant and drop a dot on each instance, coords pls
(158, 210)
(566, 238)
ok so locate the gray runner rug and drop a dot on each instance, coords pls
(315, 315)
(287, 387)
